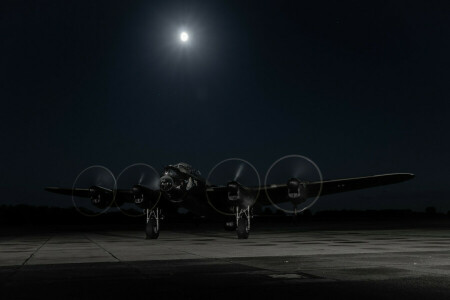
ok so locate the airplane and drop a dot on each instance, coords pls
(182, 185)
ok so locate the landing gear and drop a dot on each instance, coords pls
(152, 227)
(243, 217)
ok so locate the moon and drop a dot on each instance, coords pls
(184, 37)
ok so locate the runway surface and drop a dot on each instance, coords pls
(283, 263)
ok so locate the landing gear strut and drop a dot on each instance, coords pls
(243, 217)
(152, 227)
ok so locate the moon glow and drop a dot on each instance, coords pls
(184, 37)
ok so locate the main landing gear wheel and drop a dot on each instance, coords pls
(152, 227)
(243, 229)
(243, 222)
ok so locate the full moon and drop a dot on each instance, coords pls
(184, 37)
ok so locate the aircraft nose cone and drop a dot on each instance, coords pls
(166, 183)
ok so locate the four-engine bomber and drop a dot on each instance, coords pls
(180, 184)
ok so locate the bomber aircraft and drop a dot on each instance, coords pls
(182, 185)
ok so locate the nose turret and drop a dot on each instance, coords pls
(166, 183)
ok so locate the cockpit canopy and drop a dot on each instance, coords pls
(182, 167)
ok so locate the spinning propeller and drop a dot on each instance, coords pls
(139, 185)
(297, 171)
(101, 184)
(239, 182)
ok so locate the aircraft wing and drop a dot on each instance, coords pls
(77, 192)
(128, 195)
(121, 195)
(358, 183)
(278, 193)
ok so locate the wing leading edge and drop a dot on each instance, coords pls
(121, 195)
(278, 193)
(358, 183)
(77, 192)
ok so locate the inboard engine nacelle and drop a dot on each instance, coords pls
(239, 195)
(296, 189)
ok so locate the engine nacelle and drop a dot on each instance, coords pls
(138, 195)
(239, 195)
(234, 191)
(99, 198)
(295, 189)
(141, 197)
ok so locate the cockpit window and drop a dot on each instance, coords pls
(170, 172)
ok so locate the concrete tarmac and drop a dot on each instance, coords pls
(289, 262)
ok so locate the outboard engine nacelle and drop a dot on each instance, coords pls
(99, 198)
(138, 195)
(295, 189)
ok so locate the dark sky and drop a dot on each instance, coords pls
(359, 87)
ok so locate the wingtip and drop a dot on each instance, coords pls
(408, 176)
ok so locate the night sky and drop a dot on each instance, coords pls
(359, 87)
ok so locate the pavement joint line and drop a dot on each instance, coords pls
(101, 247)
(132, 266)
(35, 251)
(9, 280)
(164, 246)
(174, 249)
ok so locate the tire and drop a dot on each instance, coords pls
(151, 230)
(242, 229)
